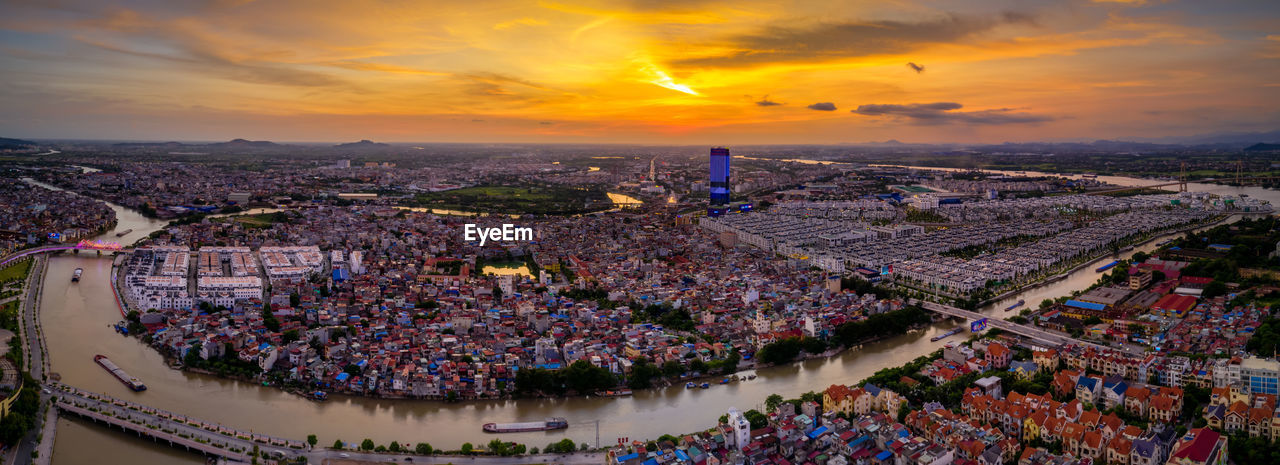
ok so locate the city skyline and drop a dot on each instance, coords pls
(610, 72)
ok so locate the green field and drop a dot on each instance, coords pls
(15, 272)
(517, 199)
(262, 220)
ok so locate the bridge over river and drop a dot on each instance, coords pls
(177, 430)
(1050, 339)
(99, 246)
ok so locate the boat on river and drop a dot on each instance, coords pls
(131, 382)
(946, 334)
(122, 233)
(1107, 266)
(1016, 305)
(618, 393)
(546, 425)
(75, 277)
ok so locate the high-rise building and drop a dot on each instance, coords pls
(719, 177)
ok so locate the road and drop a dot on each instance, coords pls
(36, 360)
(33, 352)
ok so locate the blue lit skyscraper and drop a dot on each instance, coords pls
(719, 176)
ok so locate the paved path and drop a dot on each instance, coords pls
(44, 454)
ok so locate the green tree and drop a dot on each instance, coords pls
(337, 444)
(1214, 288)
(423, 448)
(498, 447)
(193, 355)
(312, 440)
(467, 448)
(772, 402)
(394, 446)
(672, 369)
(366, 444)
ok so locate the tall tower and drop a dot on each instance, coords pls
(719, 177)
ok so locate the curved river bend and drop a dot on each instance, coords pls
(76, 319)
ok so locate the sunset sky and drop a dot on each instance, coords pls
(647, 71)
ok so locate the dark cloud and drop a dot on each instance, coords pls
(765, 102)
(823, 106)
(546, 123)
(944, 113)
(830, 41)
(914, 67)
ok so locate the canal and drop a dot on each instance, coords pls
(77, 318)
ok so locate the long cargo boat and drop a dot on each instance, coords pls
(547, 425)
(122, 233)
(618, 393)
(946, 334)
(1016, 305)
(1107, 266)
(131, 382)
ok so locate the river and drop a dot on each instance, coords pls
(76, 319)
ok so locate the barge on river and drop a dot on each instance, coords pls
(946, 334)
(546, 425)
(131, 382)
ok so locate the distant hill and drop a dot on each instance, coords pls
(1239, 139)
(242, 143)
(13, 144)
(1262, 147)
(149, 144)
(364, 144)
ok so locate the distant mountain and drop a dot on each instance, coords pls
(1240, 139)
(13, 144)
(1262, 147)
(149, 144)
(364, 144)
(242, 143)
